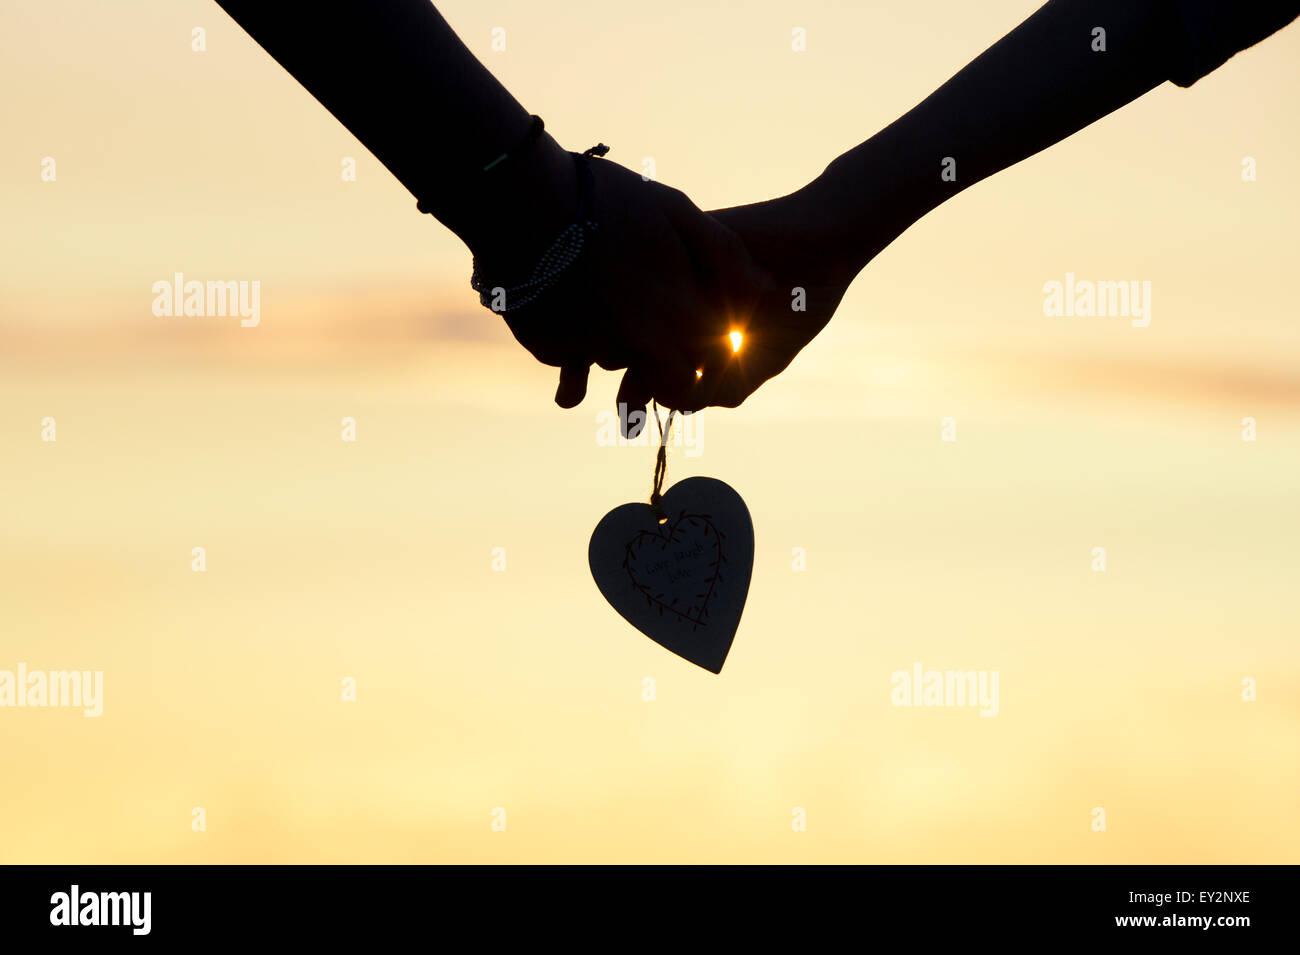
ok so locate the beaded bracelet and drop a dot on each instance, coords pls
(558, 257)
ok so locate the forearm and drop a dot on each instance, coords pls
(1037, 85)
(397, 76)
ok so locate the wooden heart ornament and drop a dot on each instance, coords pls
(682, 582)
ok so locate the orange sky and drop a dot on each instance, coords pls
(522, 690)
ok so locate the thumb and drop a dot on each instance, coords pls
(573, 385)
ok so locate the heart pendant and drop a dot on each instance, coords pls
(683, 582)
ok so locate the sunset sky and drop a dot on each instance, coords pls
(523, 690)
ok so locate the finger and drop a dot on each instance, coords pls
(573, 385)
(679, 382)
(731, 386)
(721, 258)
(715, 367)
(634, 393)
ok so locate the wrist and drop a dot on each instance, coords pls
(520, 208)
(825, 227)
(870, 195)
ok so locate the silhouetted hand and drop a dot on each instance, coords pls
(657, 293)
(800, 285)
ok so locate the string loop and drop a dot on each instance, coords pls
(661, 461)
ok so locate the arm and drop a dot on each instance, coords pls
(1039, 84)
(656, 278)
(402, 82)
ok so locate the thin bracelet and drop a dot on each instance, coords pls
(534, 133)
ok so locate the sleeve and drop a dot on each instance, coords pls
(1212, 31)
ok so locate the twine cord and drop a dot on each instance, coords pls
(661, 461)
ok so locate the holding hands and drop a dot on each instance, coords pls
(657, 289)
(700, 308)
(589, 263)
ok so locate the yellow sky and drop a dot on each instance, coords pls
(523, 690)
